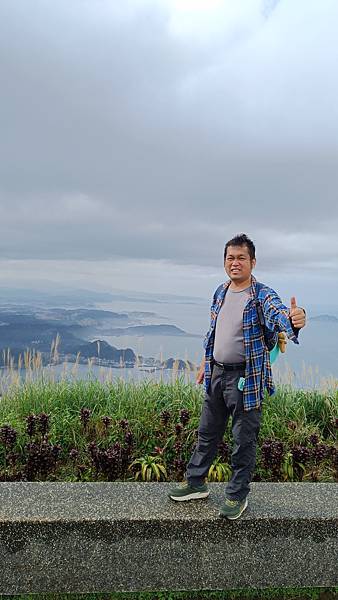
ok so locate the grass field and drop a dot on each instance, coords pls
(92, 430)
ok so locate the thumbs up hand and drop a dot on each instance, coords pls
(296, 314)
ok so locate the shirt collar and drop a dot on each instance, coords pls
(253, 293)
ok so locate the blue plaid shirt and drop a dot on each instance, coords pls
(258, 374)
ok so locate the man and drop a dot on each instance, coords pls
(236, 369)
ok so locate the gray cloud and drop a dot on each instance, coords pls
(122, 137)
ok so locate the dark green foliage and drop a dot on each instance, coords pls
(88, 430)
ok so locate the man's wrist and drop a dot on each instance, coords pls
(296, 330)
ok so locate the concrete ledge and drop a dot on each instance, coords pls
(104, 537)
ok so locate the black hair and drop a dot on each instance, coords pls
(241, 240)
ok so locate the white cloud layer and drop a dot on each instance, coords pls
(146, 131)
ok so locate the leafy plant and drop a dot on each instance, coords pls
(287, 467)
(219, 471)
(150, 468)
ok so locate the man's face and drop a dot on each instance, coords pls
(238, 264)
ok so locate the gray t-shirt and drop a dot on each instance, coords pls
(229, 342)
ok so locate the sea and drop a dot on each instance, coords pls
(315, 357)
(313, 363)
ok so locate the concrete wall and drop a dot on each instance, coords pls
(103, 537)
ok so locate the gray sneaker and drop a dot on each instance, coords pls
(183, 491)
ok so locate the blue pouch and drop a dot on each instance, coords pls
(274, 353)
(241, 383)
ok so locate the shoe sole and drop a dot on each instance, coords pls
(237, 516)
(195, 496)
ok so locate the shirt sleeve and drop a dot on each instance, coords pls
(276, 316)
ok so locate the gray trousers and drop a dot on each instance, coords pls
(223, 400)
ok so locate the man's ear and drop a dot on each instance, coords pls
(253, 263)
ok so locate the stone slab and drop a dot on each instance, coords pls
(129, 536)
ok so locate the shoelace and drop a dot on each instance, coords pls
(231, 502)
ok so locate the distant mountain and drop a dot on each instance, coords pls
(144, 314)
(94, 313)
(21, 331)
(103, 350)
(57, 333)
(151, 330)
(324, 319)
(87, 317)
(78, 318)
(57, 295)
(155, 298)
(178, 364)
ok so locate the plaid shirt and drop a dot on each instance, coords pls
(258, 374)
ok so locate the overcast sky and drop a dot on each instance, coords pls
(138, 136)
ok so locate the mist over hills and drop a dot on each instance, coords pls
(324, 319)
(37, 328)
(36, 297)
(59, 296)
(125, 332)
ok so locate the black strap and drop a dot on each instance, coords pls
(260, 314)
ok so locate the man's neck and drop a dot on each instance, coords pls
(239, 286)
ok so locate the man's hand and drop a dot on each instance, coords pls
(296, 314)
(200, 374)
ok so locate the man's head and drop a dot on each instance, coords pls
(239, 258)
